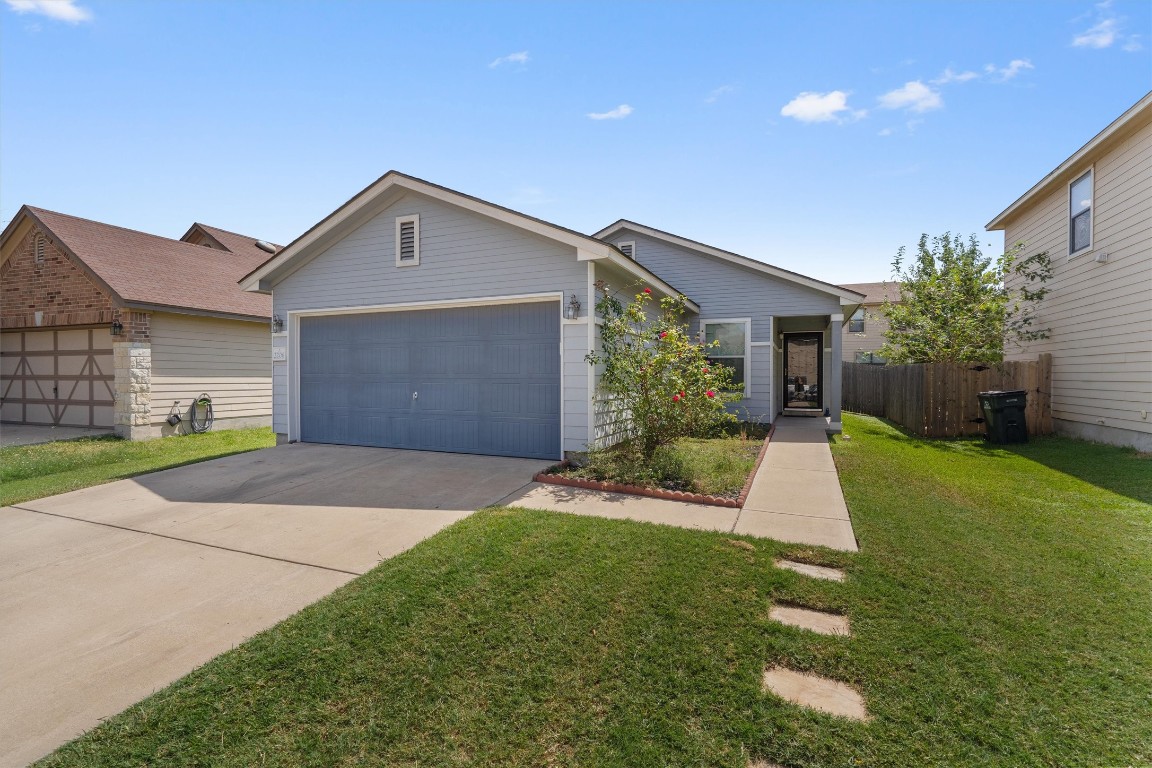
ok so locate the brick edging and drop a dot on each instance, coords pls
(660, 493)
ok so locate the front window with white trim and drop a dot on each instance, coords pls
(1080, 214)
(408, 240)
(734, 337)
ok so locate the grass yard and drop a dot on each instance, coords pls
(716, 466)
(34, 471)
(1000, 609)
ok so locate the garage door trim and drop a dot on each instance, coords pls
(293, 332)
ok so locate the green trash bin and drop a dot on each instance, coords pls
(1004, 419)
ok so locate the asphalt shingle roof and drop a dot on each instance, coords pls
(148, 269)
(875, 293)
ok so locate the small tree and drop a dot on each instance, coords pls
(956, 305)
(661, 380)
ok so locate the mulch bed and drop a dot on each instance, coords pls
(547, 476)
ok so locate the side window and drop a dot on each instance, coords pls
(1080, 214)
(407, 240)
(856, 322)
(732, 351)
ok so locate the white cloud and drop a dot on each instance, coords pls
(61, 10)
(812, 107)
(913, 96)
(716, 93)
(1015, 67)
(619, 113)
(885, 132)
(951, 76)
(1133, 44)
(512, 58)
(1100, 35)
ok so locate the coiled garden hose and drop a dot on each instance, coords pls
(204, 403)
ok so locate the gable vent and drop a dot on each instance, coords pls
(40, 245)
(407, 240)
(628, 249)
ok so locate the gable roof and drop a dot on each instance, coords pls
(1060, 173)
(875, 293)
(144, 271)
(394, 184)
(242, 245)
(847, 297)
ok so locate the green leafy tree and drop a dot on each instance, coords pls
(659, 377)
(957, 305)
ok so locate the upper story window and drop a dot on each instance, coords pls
(628, 248)
(408, 240)
(856, 322)
(41, 245)
(1080, 214)
(734, 348)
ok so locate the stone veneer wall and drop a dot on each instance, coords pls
(132, 362)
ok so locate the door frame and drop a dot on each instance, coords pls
(293, 341)
(819, 335)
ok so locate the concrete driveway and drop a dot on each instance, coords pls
(110, 593)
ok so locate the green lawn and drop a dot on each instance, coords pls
(35, 471)
(1001, 610)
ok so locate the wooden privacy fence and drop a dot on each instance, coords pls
(940, 399)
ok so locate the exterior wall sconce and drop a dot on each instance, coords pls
(572, 312)
(277, 324)
(117, 327)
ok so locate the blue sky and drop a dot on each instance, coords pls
(817, 136)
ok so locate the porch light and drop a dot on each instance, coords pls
(573, 310)
(277, 324)
(117, 328)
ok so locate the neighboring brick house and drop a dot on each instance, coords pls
(864, 331)
(102, 326)
(1092, 214)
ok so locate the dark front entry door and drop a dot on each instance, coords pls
(467, 380)
(803, 370)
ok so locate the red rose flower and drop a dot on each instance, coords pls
(681, 394)
(675, 398)
(710, 393)
(663, 334)
(647, 290)
(705, 370)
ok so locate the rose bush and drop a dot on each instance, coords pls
(660, 378)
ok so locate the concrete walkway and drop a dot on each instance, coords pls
(795, 496)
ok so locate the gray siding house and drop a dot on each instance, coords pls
(418, 317)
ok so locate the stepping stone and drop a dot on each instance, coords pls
(815, 571)
(806, 618)
(819, 693)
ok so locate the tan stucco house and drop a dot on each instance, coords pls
(1093, 215)
(864, 330)
(107, 327)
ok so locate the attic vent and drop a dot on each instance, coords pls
(628, 249)
(40, 245)
(407, 240)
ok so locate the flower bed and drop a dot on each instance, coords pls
(581, 477)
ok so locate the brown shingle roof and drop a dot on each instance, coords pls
(143, 269)
(875, 293)
(238, 244)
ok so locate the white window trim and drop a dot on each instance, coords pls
(1091, 213)
(863, 321)
(632, 243)
(415, 220)
(747, 321)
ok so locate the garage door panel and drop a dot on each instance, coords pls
(62, 376)
(487, 379)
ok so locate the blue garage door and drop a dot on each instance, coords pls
(468, 380)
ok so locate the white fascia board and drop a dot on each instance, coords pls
(1071, 163)
(733, 258)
